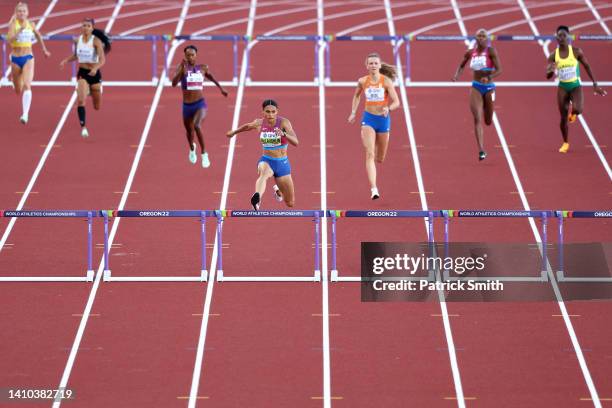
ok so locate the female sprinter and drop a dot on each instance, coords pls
(275, 133)
(569, 94)
(191, 76)
(90, 50)
(376, 123)
(21, 34)
(484, 61)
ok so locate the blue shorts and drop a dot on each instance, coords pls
(21, 61)
(280, 165)
(190, 109)
(380, 124)
(483, 88)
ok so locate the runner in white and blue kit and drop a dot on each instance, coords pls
(275, 134)
(484, 62)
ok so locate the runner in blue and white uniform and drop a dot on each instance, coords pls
(191, 77)
(275, 134)
(484, 62)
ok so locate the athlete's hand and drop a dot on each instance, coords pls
(454, 79)
(93, 71)
(47, 53)
(550, 70)
(351, 118)
(224, 92)
(600, 91)
(485, 80)
(385, 111)
(62, 63)
(229, 133)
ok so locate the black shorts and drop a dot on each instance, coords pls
(91, 80)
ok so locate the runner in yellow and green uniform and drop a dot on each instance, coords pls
(565, 60)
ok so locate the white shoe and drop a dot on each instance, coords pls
(205, 160)
(277, 193)
(24, 119)
(193, 157)
(375, 195)
(84, 132)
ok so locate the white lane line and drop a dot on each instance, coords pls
(536, 233)
(197, 370)
(583, 122)
(597, 16)
(124, 197)
(452, 355)
(323, 169)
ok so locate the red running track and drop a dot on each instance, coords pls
(264, 345)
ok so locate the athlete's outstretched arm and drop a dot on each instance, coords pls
(243, 128)
(42, 42)
(464, 61)
(551, 66)
(211, 78)
(580, 57)
(355, 102)
(289, 132)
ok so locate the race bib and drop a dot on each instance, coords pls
(478, 62)
(375, 94)
(567, 74)
(195, 81)
(269, 139)
(25, 36)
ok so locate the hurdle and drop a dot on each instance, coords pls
(229, 38)
(89, 215)
(493, 37)
(315, 215)
(561, 215)
(249, 44)
(200, 214)
(335, 214)
(543, 246)
(399, 40)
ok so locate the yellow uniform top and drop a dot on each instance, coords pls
(25, 37)
(568, 69)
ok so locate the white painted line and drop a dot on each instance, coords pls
(327, 394)
(96, 284)
(199, 360)
(452, 355)
(597, 16)
(595, 145)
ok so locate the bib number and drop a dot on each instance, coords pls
(567, 74)
(375, 94)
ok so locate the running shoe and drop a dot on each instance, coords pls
(84, 132)
(564, 148)
(482, 155)
(375, 195)
(205, 160)
(255, 201)
(193, 157)
(278, 196)
(24, 119)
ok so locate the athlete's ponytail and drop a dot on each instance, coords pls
(102, 36)
(387, 70)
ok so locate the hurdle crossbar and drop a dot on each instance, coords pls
(315, 215)
(202, 215)
(561, 215)
(543, 215)
(335, 214)
(88, 214)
